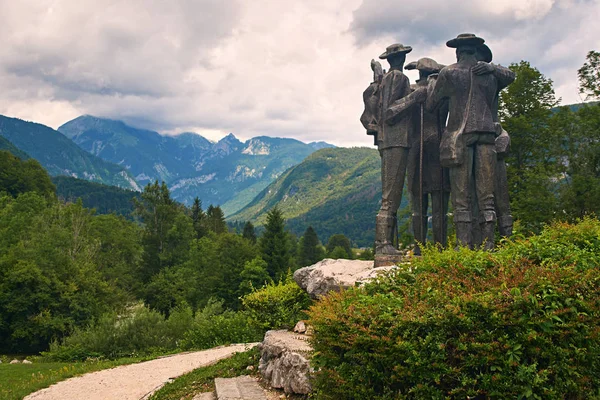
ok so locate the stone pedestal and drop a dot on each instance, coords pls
(386, 260)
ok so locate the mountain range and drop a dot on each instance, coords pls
(229, 172)
(60, 156)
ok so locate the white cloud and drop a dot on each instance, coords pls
(266, 67)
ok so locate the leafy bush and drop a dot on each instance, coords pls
(523, 322)
(142, 331)
(277, 306)
(215, 326)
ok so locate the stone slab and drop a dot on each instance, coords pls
(240, 388)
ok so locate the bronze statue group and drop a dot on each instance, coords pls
(443, 133)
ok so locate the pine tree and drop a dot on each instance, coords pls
(249, 232)
(215, 219)
(198, 218)
(310, 249)
(274, 245)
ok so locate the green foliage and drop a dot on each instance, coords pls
(337, 242)
(249, 232)
(589, 75)
(139, 331)
(519, 323)
(167, 230)
(202, 379)
(277, 305)
(215, 219)
(50, 280)
(198, 218)
(274, 244)
(253, 275)
(215, 326)
(533, 160)
(102, 198)
(18, 176)
(215, 268)
(310, 249)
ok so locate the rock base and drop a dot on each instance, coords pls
(327, 275)
(284, 361)
(386, 260)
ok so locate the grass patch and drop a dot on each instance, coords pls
(202, 379)
(19, 380)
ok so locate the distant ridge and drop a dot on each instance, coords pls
(60, 156)
(334, 190)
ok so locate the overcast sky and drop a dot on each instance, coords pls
(258, 67)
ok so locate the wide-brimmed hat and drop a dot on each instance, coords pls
(465, 39)
(396, 48)
(484, 53)
(425, 64)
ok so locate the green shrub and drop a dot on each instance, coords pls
(142, 331)
(215, 326)
(277, 306)
(523, 322)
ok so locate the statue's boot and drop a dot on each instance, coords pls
(420, 231)
(463, 234)
(505, 225)
(487, 230)
(384, 235)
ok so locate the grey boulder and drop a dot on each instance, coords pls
(327, 275)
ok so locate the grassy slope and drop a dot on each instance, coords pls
(335, 190)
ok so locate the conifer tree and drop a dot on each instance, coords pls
(310, 249)
(215, 219)
(249, 232)
(198, 218)
(274, 245)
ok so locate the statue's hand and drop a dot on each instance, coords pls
(483, 68)
(420, 94)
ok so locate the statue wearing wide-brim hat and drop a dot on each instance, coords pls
(465, 39)
(426, 65)
(396, 48)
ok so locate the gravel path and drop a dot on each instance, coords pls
(134, 381)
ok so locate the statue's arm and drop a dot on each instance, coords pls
(399, 108)
(504, 76)
(437, 91)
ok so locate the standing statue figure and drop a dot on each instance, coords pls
(426, 176)
(370, 117)
(502, 144)
(393, 144)
(468, 143)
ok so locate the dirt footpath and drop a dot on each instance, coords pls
(135, 381)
